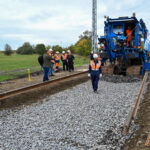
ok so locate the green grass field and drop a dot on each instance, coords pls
(16, 61)
(10, 65)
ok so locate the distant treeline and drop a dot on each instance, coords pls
(82, 47)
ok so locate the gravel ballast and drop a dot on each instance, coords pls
(75, 119)
(120, 79)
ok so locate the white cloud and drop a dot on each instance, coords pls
(26, 37)
(60, 22)
(49, 21)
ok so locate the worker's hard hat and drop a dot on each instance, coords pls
(91, 52)
(50, 50)
(68, 51)
(57, 52)
(95, 56)
(63, 52)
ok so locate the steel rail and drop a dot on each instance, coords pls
(134, 109)
(35, 86)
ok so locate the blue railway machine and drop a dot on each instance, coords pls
(123, 44)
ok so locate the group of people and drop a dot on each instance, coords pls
(50, 62)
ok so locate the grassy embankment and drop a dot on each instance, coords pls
(15, 65)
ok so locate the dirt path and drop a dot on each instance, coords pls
(143, 120)
(22, 82)
(39, 94)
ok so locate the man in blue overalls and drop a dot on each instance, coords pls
(95, 71)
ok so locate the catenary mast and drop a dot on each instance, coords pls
(94, 26)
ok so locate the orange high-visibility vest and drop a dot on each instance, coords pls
(64, 57)
(129, 34)
(95, 67)
(57, 58)
(57, 64)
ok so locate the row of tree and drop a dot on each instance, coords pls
(81, 47)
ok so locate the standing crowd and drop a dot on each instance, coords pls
(50, 62)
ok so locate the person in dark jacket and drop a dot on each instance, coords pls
(95, 71)
(70, 60)
(46, 65)
(40, 60)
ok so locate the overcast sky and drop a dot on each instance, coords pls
(59, 21)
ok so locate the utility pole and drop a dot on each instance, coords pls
(94, 27)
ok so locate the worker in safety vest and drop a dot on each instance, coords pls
(95, 71)
(129, 36)
(57, 61)
(64, 60)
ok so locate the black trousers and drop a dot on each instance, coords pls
(95, 79)
(65, 65)
(71, 66)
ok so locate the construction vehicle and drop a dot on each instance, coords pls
(114, 47)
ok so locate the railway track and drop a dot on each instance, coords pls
(15, 92)
(131, 116)
(75, 118)
(133, 113)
